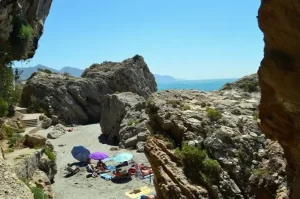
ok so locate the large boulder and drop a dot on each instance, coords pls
(79, 100)
(34, 140)
(48, 166)
(124, 118)
(131, 75)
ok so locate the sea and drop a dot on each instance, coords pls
(203, 85)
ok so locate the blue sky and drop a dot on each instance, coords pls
(192, 39)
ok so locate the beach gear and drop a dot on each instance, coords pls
(80, 153)
(137, 193)
(98, 156)
(122, 157)
(106, 176)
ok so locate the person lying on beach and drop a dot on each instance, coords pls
(122, 164)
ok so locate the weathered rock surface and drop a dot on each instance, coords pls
(34, 140)
(79, 100)
(14, 14)
(169, 181)
(57, 131)
(124, 118)
(279, 81)
(41, 180)
(10, 185)
(248, 83)
(48, 166)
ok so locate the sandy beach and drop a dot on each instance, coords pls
(80, 186)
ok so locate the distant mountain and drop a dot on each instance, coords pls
(29, 70)
(164, 78)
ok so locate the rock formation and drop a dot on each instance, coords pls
(10, 185)
(279, 81)
(21, 25)
(79, 100)
(222, 123)
(124, 118)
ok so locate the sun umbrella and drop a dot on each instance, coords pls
(98, 156)
(122, 157)
(80, 153)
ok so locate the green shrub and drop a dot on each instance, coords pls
(50, 154)
(25, 32)
(3, 107)
(7, 131)
(213, 114)
(174, 103)
(249, 86)
(117, 92)
(133, 122)
(261, 172)
(16, 140)
(168, 115)
(38, 193)
(45, 70)
(255, 115)
(197, 166)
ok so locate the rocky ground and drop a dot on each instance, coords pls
(80, 186)
(223, 124)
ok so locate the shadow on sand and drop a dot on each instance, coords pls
(105, 139)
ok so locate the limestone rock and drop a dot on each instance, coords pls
(79, 100)
(55, 134)
(208, 120)
(46, 123)
(11, 186)
(279, 81)
(170, 181)
(123, 117)
(34, 13)
(41, 180)
(34, 140)
(48, 166)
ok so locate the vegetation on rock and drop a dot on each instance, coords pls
(50, 154)
(213, 114)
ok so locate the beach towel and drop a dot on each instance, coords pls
(106, 176)
(111, 168)
(139, 192)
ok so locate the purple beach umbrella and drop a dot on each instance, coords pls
(98, 156)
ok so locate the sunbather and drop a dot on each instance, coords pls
(122, 164)
(148, 197)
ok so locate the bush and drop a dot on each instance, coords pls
(50, 154)
(25, 32)
(213, 114)
(261, 172)
(133, 122)
(174, 103)
(185, 107)
(197, 165)
(45, 70)
(38, 193)
(249, 86)
(3, 108)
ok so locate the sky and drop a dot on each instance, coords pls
(192, 39)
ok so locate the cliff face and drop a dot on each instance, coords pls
(279, 80)
(21, 25)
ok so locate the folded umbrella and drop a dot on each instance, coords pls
(98, 156)
(80, 153)
(122, 157)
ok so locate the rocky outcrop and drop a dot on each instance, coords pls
(248, 83)
(124, 119)
(79, 100)
(279, 81)
(10, 185)
(170, 181)
(21, 25)
(131, 75)
(56, 132)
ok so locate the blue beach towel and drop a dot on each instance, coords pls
(106, 176)
(111, 168)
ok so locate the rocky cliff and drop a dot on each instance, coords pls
(21, 25)
(279, 80)
(208, 141)
(79, 100)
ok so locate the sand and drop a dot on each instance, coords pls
(80, 186)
